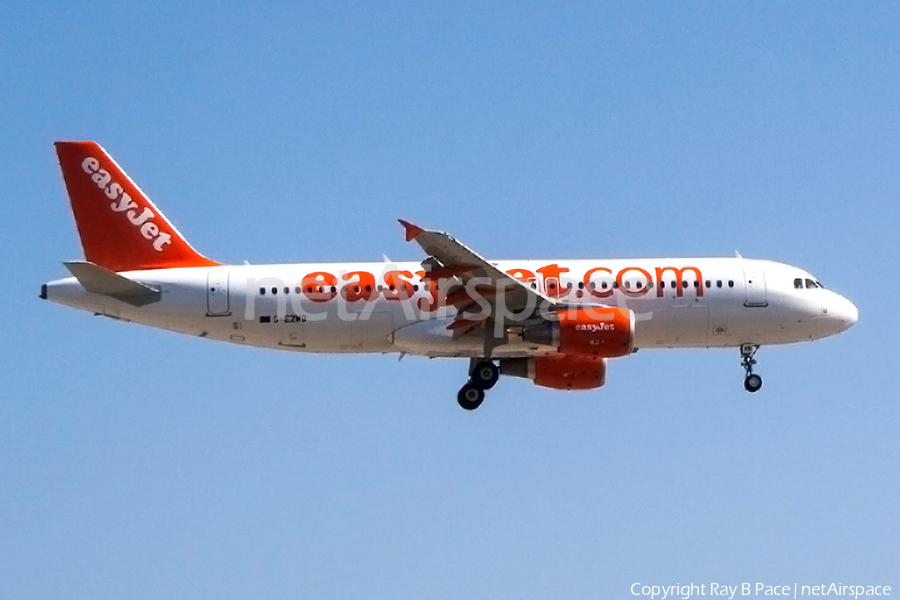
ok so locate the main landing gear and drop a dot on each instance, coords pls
(752, 382)
(482, 376)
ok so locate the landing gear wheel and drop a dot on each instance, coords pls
(752, 383)
(470, 396)
(485, 375)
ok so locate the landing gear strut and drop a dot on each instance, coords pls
(482, 376)
(752, 382)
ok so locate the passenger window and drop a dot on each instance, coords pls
(719, 283)
(730, 283)
(274, 291)
(298, 290)
(287, 290)
(580, 285)
(262, 291)
(627, 285)
(708, 283)
(684, 284)
(662, 284)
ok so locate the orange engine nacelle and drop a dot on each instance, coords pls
(558, 372)
(595, 332)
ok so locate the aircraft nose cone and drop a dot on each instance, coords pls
(845, 312)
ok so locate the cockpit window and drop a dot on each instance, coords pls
(811, 284)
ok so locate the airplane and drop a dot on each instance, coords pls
(556, 322)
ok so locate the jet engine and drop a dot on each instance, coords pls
(584, 339)
(593, 332)
(558, 371)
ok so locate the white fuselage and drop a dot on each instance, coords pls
(703, 302)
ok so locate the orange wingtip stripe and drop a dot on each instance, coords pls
(411, 230)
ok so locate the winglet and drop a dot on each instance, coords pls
(411, 230)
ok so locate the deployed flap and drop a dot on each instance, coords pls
(98, 280)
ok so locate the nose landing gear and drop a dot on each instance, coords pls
(752, 382)
(482, 376)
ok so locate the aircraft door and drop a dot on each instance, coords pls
(217, 304)
(755, 281)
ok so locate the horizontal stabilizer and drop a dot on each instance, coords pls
(98, 280)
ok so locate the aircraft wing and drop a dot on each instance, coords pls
(450, 258)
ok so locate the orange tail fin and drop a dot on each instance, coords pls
(120, 228)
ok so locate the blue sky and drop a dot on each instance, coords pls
(139, 464)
